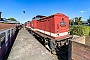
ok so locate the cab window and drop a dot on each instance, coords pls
(2, 39)
(37, 18)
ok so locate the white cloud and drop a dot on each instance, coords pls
(82, 11)
(73, 14)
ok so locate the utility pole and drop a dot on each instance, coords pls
(24, 18)
(24, 15)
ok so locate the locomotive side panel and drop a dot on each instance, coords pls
(51, 25)
(35, 24)
(56, 26)
(38, 25)
(47, 24)
(43, 25)
(30, 25)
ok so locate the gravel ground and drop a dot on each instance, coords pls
(26, 47)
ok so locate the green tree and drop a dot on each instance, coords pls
(13, 19)
(25, 22)
(78, 20)
(88, 20)
(71, 22)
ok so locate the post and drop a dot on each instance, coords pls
(24, 17)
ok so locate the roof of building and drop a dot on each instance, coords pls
(9, 21)
(84, 21)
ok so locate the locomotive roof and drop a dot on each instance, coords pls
(59, 14)
(39, 16)
(54, 15)
(44, 17)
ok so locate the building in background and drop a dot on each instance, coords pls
(85, 23)
(4, 20)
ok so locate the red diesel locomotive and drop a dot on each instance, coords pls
(53, 30)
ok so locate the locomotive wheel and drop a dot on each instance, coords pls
(53, 51)
(45, 41)
(52, 46)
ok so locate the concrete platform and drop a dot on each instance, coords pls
(26, 47)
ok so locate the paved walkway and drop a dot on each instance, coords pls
(26, 47)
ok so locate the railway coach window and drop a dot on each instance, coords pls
(8, 34)
(2, 39)
(11, 32)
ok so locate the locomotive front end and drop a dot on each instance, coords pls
(61, 22)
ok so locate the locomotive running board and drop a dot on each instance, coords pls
(47, 36)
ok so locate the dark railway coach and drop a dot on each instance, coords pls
(7, 32)
(53, 30)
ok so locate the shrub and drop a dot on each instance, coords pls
(80, 30)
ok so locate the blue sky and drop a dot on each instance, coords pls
(71, 8)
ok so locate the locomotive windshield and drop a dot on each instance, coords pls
(37, 18)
